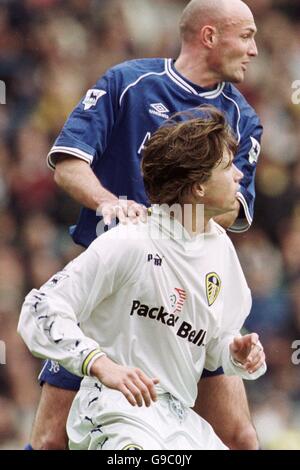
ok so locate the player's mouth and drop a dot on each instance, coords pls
(244, 66)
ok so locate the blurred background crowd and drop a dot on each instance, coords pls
(51, 52)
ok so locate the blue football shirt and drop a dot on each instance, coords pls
(112, 123)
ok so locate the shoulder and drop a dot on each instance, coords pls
(134, 69)
(222, 238)
(124, 244)
(128, 74)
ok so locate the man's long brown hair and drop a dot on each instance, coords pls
(184, 152)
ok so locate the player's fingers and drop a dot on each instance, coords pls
(135, 391)
(255, 353)
(141, 210)
(143, 213)
(255, 349)
(137, 212)
(255, 365)
(133, 214)
(252, 360)
(107, 214)
(121, 212)
(144, 391)
(244, 344)
(253, 339)
(127, 394)
(150, 384)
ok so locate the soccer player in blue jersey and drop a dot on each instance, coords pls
(96, 159)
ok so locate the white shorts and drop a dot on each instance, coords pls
(102, 419)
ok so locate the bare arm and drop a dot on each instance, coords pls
(232, 422)
(78, 180)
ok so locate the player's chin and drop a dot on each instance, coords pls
(237, 77)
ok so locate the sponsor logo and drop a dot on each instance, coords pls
(177, 299)
(91, 98)
(159, 110)
(156, 259)
(254, 151)
(185, 330)
(213, 287)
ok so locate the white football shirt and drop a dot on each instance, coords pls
(150, 296)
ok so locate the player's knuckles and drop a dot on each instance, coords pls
(148, 382)
(132, 375)
(119, 384)
(144, 390)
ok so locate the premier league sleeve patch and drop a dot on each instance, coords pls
(92, 98)
(254, 151)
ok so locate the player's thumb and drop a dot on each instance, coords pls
(155, 380)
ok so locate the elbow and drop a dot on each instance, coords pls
(59, 175)
(63, 169)
(24, 328)
(243, 438)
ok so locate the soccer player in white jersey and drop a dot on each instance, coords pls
(156, 302)
(96, 159)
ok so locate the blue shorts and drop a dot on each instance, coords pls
(54, 374)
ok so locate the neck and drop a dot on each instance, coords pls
(195, 69)
(193, 217)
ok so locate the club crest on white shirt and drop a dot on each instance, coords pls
(213, 287)
(92, 97)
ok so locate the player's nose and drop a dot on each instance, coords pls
(253, 52)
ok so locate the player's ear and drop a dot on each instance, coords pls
(209, 36)
(198, 190)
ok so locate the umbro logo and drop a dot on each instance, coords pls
(159, 109)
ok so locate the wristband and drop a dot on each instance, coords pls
(90, 359)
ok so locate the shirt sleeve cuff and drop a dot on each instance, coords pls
(90, 359)
(242, 224)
